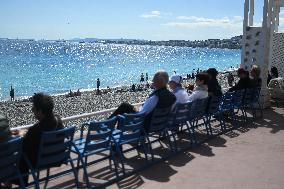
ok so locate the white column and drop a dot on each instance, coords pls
(251, 12)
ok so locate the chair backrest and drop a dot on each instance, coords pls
(159, 120)
(181, 113)
(255, 95)
(248, 96)
(238, 97)
(55, 147)
(198, 107)
(227, 101)
(99, 134)
(131, 126)
(10, 154)
(213, 104)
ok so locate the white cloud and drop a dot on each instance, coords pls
(194, 21)
(152, 14)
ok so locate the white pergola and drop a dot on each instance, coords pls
(263, 45)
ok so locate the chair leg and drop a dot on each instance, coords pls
(75, 173)
(85, 174)
(22, 184)
(47, 177)
(150, 147)
(121, 158)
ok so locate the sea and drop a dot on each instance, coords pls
(55, 67)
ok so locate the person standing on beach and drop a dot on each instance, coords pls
(147, 77)
(142, 78)
(98, 85)
(12, 93)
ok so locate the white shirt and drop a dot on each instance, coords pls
(181, 95)
(198, 94)
(149, 104)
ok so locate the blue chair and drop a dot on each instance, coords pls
(213, 112)
(226, 107)
(131, 131)
(158, 126)
(181, 118)
(54, 150)
(238, 102)
(255, 102)
(10, 154)
(97, 141)
(198, 112)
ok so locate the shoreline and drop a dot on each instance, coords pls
(19, 112)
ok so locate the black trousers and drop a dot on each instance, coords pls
(123, 108)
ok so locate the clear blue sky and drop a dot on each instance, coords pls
(139, 19)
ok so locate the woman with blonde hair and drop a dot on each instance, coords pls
(255, 76)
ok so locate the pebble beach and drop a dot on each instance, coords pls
(19, 112)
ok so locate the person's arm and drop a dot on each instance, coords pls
(149, 104)
(193, 96)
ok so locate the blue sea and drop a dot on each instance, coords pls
(56, 67)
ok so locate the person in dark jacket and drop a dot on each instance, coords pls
(244, 81)
(160, 98)
(214, 88)
(43, 111)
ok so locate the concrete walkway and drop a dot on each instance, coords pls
(250, 157)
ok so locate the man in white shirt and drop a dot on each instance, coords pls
(161, 97)
(178, 90)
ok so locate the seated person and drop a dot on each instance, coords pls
(201, 89)
(43, 111)
(255, 76)
(214, 88)
(274, 74)
(5, 133)
(177, 89)
(244, 81)
(161, 97)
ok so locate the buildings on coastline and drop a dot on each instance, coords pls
(233, 43)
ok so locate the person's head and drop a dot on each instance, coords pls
(160, 79)
(175, 81)
(274, 72)
(42, 106)
(242, 73)
(212, 72)
(201, 78)
(255, 71)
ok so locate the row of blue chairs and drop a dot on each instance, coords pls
(109, 136)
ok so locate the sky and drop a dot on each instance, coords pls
(131, 19)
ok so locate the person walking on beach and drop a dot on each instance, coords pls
(230, 79)
(147, 77)
(12, 93)
(98, 85)
(142, 78)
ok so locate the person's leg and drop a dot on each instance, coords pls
(123, 108)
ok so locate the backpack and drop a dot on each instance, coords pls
(4, 129)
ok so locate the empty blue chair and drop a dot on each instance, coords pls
(54, 150)
(10, 154)
(213, 112)
(226, 107)
(97, 140)
(181, 118)
(131, 131)
(198, 112)
(159, 124)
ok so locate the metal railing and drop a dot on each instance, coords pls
(80, 116)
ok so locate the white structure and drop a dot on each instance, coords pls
(263, 45)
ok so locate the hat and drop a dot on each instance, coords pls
(176, 78)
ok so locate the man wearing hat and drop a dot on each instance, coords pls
(177, 89)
